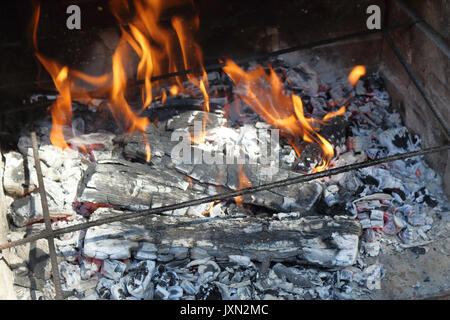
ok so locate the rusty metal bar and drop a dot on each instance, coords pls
(226, 196)
(48, 225)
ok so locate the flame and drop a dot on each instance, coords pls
(174, 90)
(207, 212)
(355, 74)
(202, 136)
(243, 183)
(61, 109)
(161, 49)
(167, 48)
(193, 60)
(264, 93)
(333, 114)
(190, 182)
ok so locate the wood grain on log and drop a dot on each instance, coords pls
(323, 241)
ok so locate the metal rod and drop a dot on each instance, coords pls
(226, 196)
(418, 85)
(218, 66)
(310, 45)
(432, 34)
(48, 225)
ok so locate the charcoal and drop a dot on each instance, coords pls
(179, 253)
(360, 89)
(139, 280)
(70, 274)
(103, 288)
(304, 78)
(164, 277)
(198, 261)
(198, 253)
(293, 275)
(399, 222)
(390, 228)
(175, 293)
(146, 251)
(113, 269)
(188, 287)
(330, 195)
(208, 272)
(88, 268)
(16, 179)
(241, 260)
(396, 140)
(372, 249)
(341, 92)
(208, 292)
(406, 235)
(376, 215)
(101, 247)
(69, 253)
(119, 290)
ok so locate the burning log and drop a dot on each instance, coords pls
(323, 241)
(133, 186)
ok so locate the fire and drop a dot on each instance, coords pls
(264, 92)
(207, 212)
(174, 90)
(201, 138)
(333, 114)
(243, 183)
(355, 74)
(161, 49)
(168, 46)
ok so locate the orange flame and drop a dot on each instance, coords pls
(61, 109)
(174, 90)
(355, 74)
(333, 114)
(161, 49)
(243, 183)
(207, 212)
(264, 93)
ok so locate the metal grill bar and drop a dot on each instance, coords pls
(440, 42)
(48, 224)
(225, 196)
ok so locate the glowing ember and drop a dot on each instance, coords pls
(174, 90)
(356, 73)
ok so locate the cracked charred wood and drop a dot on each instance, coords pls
(297, 197)
(324, 241)
(225, 177)
(133, 186)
